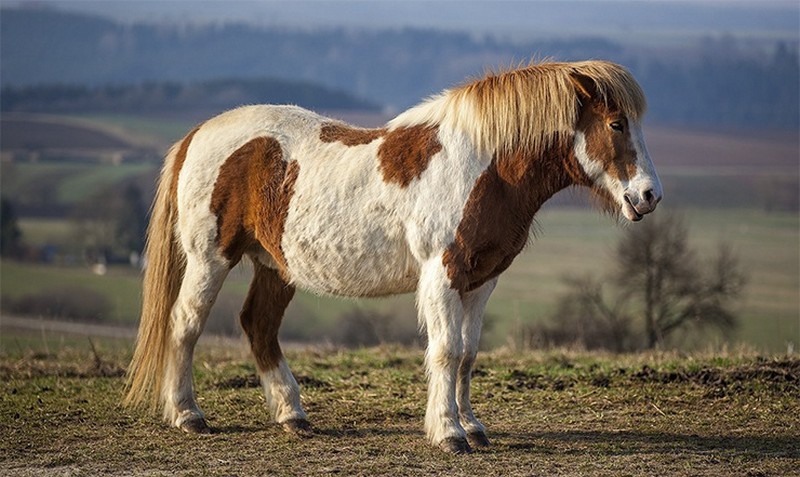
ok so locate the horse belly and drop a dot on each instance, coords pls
(347, 253)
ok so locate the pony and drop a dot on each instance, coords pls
(439, 201)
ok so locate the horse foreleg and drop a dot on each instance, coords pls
(201, 283)
(474, 303)
(261, 317)
(441, 311)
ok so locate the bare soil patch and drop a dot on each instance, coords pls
(677, 147)
(546, 413)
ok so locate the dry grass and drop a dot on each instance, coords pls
(557, 413)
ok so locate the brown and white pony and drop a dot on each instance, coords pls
(440, 201)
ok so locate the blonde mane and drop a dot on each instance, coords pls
(529, 107)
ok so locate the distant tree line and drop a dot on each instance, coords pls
(110, 226)
(722, 89)
(723, 81)
(172, 96)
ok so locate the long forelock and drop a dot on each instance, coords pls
(530, 107)
(615, 84)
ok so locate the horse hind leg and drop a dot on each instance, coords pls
(261, 317)
(201, 283)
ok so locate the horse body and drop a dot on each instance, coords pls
(347, 231)
(439, 201)
(350, 233)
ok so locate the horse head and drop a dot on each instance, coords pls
(610, 148)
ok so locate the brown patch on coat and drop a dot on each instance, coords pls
(180, 158)
(251, 199)
(347, 135)
(497, 217)
(262, 314)
(406, 151)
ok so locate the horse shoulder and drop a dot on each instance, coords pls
(438, 200)
(491, 233)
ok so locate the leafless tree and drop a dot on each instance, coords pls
(112, 222)
(660, 282)
(584, 317)
(10, 234)
(675, 286)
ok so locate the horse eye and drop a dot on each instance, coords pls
(616, 126)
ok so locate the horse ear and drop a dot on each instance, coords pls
(584, 86)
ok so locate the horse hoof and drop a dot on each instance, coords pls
(300, 427)
(456, 445)
(478, 439)
(195, 425)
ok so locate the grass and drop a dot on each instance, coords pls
(578, 242)
(557, 413)
(121, 285)
(97, 177)
(41, 231)
(159, 130)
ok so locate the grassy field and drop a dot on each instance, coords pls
(570, 242)
(161, 131)
(557, 413)
(121, 285)
(576, 242)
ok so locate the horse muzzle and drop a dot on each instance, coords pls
(638, 202)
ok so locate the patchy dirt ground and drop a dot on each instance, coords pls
(546, 413)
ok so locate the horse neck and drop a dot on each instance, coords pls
(532, 178)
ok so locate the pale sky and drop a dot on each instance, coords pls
(512, 19)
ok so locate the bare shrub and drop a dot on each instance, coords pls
(10, 235)
(371, 328)
(584, 319)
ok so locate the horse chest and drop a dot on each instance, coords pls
(493, 231)
(472, 262)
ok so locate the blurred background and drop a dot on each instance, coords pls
(95, 92)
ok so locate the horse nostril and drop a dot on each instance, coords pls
(650, 197)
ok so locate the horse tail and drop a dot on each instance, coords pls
(166, 263)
